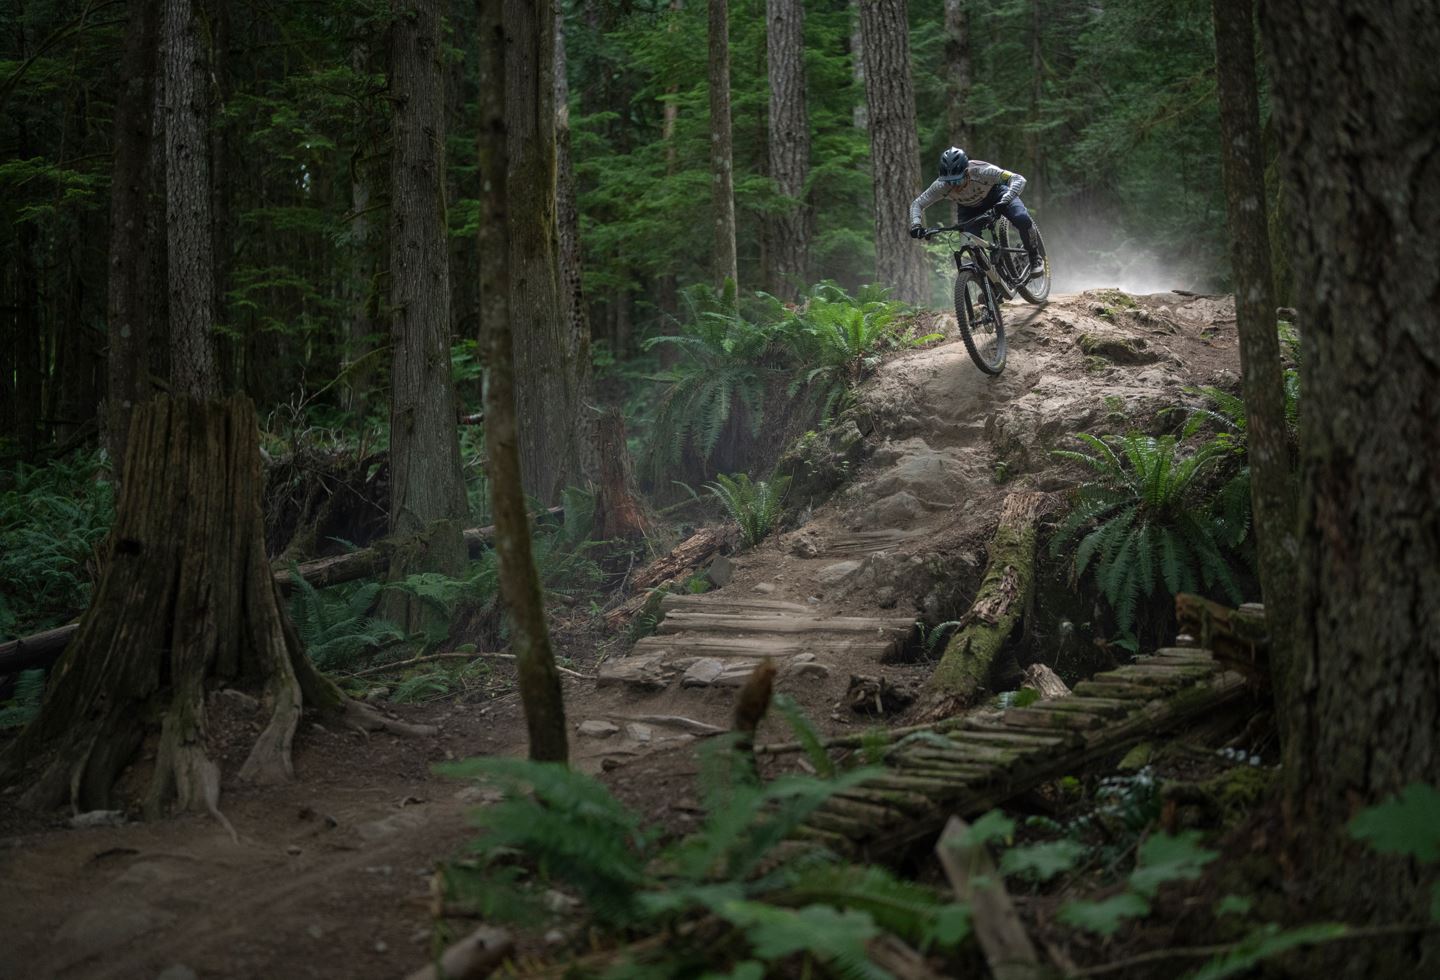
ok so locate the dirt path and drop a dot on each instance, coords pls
(330, 878)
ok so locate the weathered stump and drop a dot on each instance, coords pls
(965, 666)
(186, 604)
(619, 513)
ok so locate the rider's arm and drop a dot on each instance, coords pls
(989, 175)
(927, 197)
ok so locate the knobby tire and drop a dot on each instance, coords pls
(976, 310)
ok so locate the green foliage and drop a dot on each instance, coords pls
(336, 626)
(1042, 861)
(805, 733)
(754, 506)
(1267, 941)
(574, 833)
(21, 709)
(1144, 523)
(52, 520)
(1105, 917)
(1408, 824)
(1164, 858)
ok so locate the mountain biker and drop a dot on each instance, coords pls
(978, 188)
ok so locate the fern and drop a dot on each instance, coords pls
(805, 733)
(335, 626)
(754, 506)
(1147, 521)
(22, 709)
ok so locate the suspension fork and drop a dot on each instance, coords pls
(970, 258)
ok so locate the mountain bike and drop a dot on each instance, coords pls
(989, 271)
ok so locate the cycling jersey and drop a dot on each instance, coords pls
(980, 178)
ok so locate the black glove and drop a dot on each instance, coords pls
(1005, 199)
(917, 232)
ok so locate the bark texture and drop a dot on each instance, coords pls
(519, 584)
(789, 146)
(550, 381)
(1354, 97)
(1243, 167)
(187, 208)
(894, 147)
(958, 76)
(128, 320)
(722, 175)
(427, 492)
(187, 604)
(1004, 592)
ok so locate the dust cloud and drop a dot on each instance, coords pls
(1088, 255)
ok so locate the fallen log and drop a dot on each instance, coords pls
(670, 571)
(1004, 592)
(475, 956)
(43, 649)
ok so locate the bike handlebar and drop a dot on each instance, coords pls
(979, 223)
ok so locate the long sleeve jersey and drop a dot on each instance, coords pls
(980, 177)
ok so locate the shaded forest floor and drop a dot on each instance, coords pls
(331, 875)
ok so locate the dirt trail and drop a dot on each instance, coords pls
(330, 878)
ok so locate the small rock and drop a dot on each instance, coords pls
(293, 849)
(98, 818)
(381, 946)
(314, 931)
(765, 588)
(639, 732)
(703, 672)
(812, 670)
(721, 571)
(554, 937)
(836, 573)
(814, 600)
(597, 728)
(177, 972)
(483, 795)
(802, 658)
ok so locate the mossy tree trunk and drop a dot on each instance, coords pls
(187, 604)
(520, 588)
(1354, 93)
(1004, 593)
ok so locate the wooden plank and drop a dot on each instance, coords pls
(1018, 739)
(888, 629)
(1115, 689)
(945, 765)
(977, 755)
(1111, 707)
(908, 803)
(1033, 718)
(977, 883)
(709, 602)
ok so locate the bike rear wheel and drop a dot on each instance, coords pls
(981, 326)
(1017, 267)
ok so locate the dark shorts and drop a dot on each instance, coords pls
(1015, 211)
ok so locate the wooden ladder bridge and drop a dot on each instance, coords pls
(969, 765)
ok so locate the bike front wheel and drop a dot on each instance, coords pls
(981, 326)
(1035, 290)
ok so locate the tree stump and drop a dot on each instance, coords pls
(619, 513)
(965, 666)
(186, 604)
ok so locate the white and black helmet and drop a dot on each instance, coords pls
(953, 163)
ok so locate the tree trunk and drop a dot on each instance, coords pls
(550, 381)
(567, 210)
(1004, 592)
(894, 147)
(519, 584)
(187, 604)
(722, 177)
(362, 335)
(619, 512)
(1035, 151)
(128, 321)
(859, 117)
(427, 492)
(957, 72)
(789, 143)
(187, 208)
(667, 295)
(1354, 96)
(1243, 169)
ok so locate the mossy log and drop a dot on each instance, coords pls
(969, 656)
(186, 604)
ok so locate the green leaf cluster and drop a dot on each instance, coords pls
(1145, 524)
(779, 903)
(754, 506)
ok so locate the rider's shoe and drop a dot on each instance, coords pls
(1037, 268)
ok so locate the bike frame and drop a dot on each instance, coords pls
(975, 252)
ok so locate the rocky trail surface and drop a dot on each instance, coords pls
(330, 876)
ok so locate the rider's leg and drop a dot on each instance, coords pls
(1023, 223)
